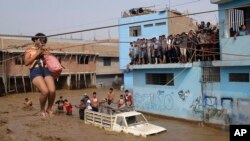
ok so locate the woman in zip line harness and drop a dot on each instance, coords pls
(40, 76)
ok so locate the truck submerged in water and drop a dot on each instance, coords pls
(131, 122)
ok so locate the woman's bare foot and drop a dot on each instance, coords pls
(50, 113)
(42, 115)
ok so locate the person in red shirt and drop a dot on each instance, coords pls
(68, 107)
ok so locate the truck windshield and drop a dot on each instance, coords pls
(135, 120)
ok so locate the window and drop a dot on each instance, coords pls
(135, 31)
(160, 79)
(237, 17)
(148, 25)
(19, 60)
(120, 121)
(135, 120)
(238, 77)
(106, 61)
(211, 74)
(82, 59)
(160, 24)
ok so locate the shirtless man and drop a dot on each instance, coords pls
(110, 96)
(94, 102)
(121, 102)
(128, 98)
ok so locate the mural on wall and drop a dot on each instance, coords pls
(197, 106)
(150, 101)
(212, 112)
(183, 94)
(166, 102)
(243, 112)
(227, 111)
(212, 109)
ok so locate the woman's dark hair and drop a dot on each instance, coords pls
(39, 35)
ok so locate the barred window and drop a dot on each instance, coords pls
(148, 25)
(106, 61)
(19, 60)
(160, 79)
(135, 31)
(82, 59)
(237, 17)
(160, 24)
(211, 74)
(238, 77)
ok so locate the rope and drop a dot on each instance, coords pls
(5, 60)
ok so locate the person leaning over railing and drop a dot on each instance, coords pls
(242, 31)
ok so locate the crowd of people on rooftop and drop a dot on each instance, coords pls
(199, 45)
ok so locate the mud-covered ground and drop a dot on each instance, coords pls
(19, 124)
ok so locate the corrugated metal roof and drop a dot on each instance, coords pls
(104, 48)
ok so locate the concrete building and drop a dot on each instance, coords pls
(207, 91)
(155, 24)
(79, 58)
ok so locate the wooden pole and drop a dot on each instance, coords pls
(15, 83)
(8, 83)
(31, 85)
(76, 79)
(85, 83)
(4, 75)
(79, 81)
(91, 79)
(24, 88)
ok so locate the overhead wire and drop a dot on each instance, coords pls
(111, 26)
(72, 32)
(92, 43)
(186, 3)
(117, 25)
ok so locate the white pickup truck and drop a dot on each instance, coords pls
(132, 122)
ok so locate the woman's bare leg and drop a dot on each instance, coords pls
(42, 87)
(49, 80)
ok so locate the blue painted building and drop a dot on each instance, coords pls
(131, 32)
(210, 91)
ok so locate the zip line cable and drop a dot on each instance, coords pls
(110, 26)
(197, 50)
(118, 25)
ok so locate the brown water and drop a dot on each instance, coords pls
(18, 124)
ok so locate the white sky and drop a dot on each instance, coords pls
(29, 17)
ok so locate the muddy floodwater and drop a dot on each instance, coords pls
(18, 124)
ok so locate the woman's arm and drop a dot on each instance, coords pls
(29, 58)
